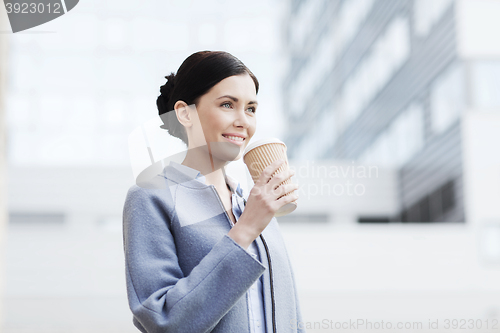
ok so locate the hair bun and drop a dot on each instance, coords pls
(165, 93)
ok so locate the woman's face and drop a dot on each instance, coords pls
(226, 111)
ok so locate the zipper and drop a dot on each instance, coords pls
(267, 253)
(271, 278)
(222, 205)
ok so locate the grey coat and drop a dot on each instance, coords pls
(184, 274)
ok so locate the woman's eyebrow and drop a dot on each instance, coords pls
(236, 100)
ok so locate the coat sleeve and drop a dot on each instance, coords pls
(160, 297)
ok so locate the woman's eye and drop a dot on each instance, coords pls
(229, 104)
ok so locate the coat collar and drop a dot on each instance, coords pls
(189, 177)
(188, 171)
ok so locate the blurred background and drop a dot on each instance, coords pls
(390, 110)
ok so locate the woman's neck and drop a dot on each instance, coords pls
(212, 168)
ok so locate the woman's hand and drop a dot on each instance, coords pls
(262, 203)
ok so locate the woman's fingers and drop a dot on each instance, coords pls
(268, 172)
(271, 184)
(286, 199)
(269, 187)
(280, 178)
(263, 203)
(284, 189)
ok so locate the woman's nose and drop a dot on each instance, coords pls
(241, 119)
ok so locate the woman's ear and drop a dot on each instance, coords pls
(182, 112)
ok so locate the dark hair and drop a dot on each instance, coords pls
(196, 76)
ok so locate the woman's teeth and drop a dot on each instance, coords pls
(235, 138)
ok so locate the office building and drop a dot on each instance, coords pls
(391, 83)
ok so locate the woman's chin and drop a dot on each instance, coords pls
(226, 151)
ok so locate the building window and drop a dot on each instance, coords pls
(304, 218)
(408, 133)
(486, 84)
(447, 98)
(305, 146)
(374, 219)
(386, 56)
(321, 137)
(27, 218)
(312, 75)
(448, 196)
(402, 139)
(326, 132)
(427, 13)
(349, 19)
(302, 22)
(433, 207)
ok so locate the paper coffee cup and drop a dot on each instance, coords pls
(259, 154)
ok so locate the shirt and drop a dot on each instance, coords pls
(254, 295)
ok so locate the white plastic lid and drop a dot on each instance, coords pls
(262, 142)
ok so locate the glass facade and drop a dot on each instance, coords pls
(385, 57)
(447, 100)
(402, 139)
(427, 13)
(394, 87)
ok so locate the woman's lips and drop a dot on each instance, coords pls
(239, 143)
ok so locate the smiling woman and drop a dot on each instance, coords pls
(222, 118)
(202, 254)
